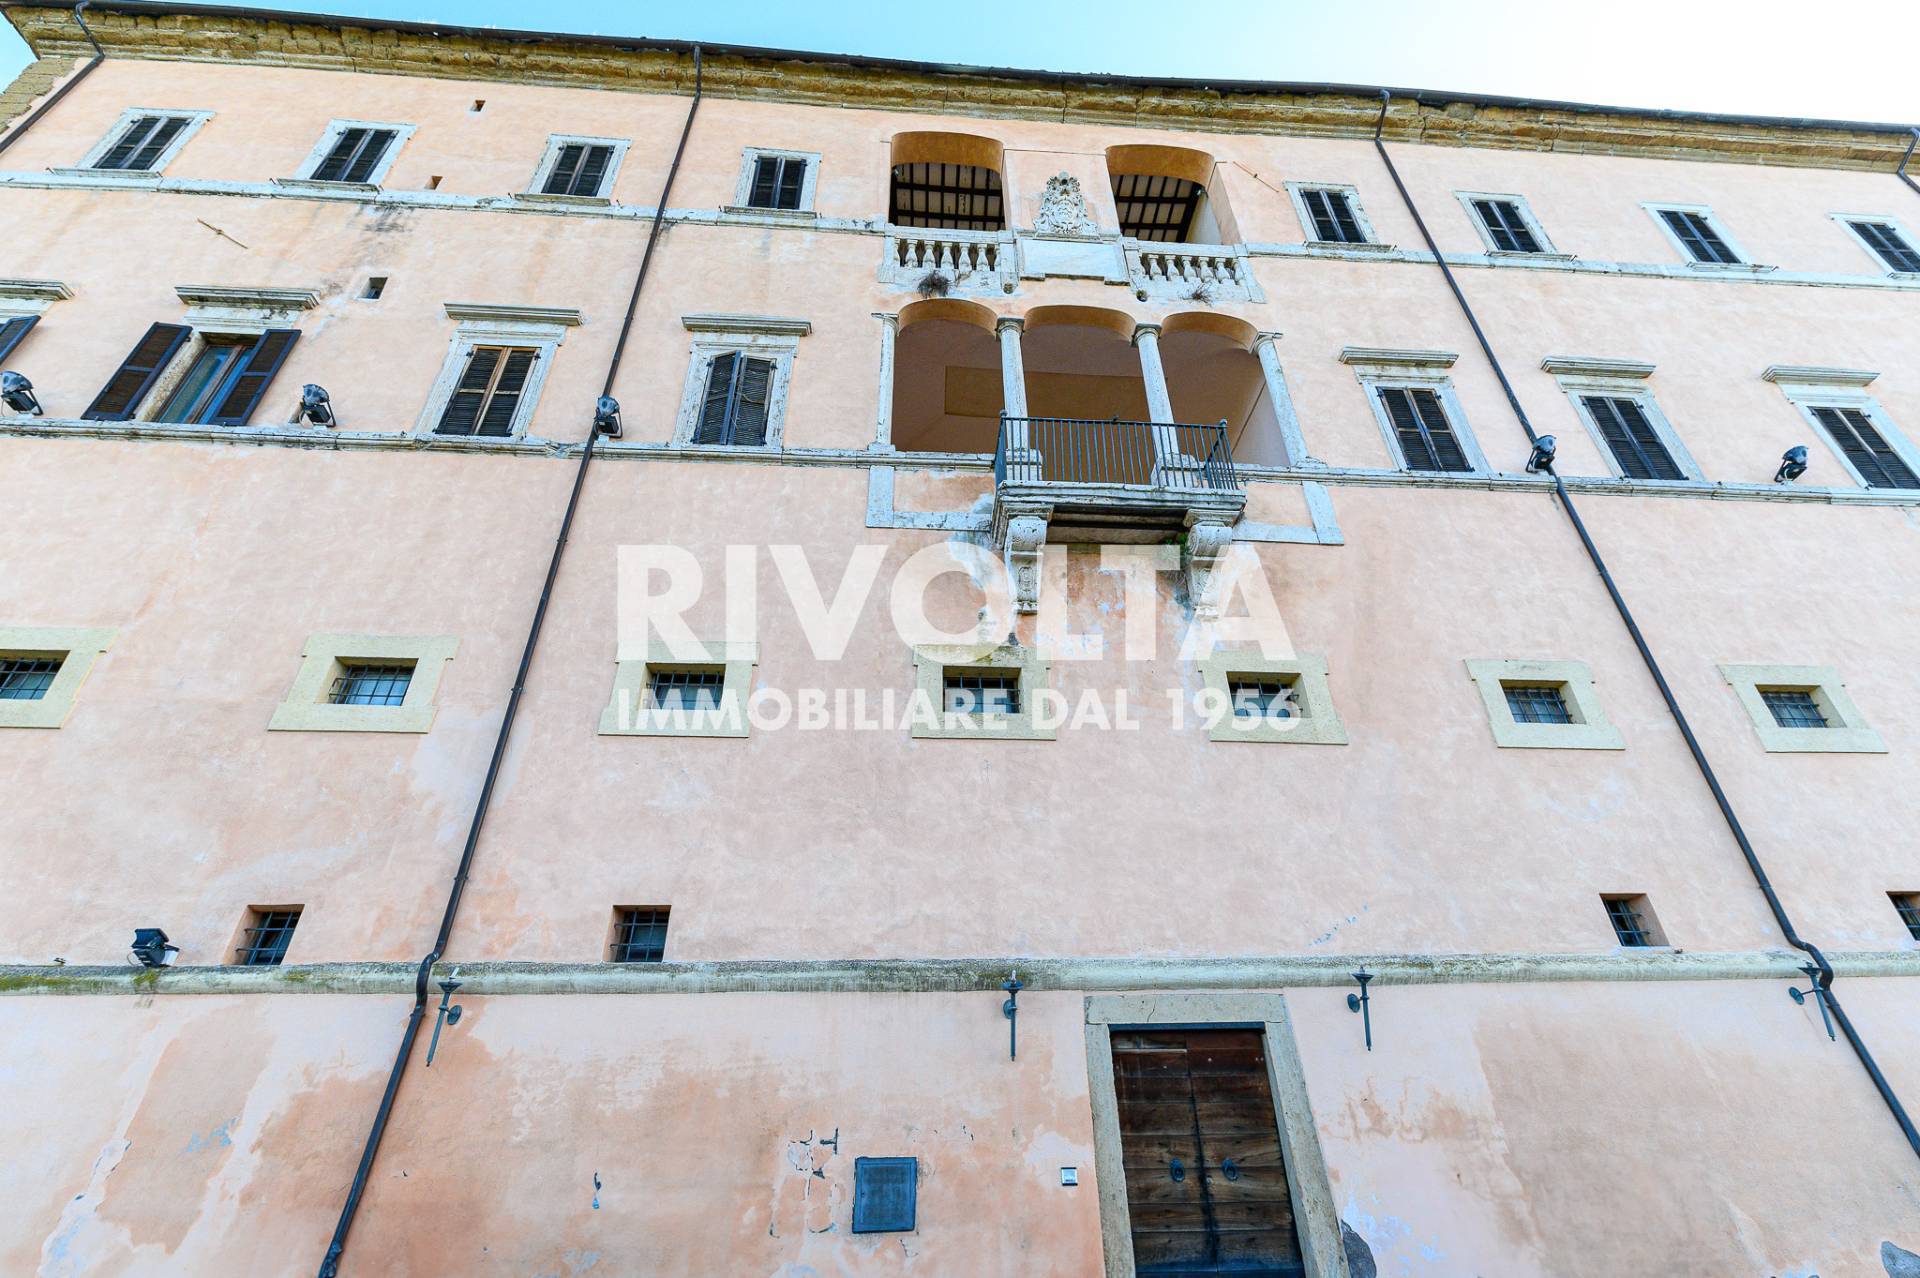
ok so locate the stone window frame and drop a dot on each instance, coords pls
(1307, 231)
(1527, 216)
(77, 647)
(195, 121)
(1590, 729)
(634, 667)
(330, 135)
(551, 156)
(1848, 732)
(1378, 369)
(1808, 388)
(322, 658)
(1579, 376)
(769, 337)
(214, 310)
(1846, 221)
(1655, 207)
(743, 187)
(1318, 723)
(1316, 1219)
(476, 324)
(930, 665)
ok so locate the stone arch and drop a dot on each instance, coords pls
(950, 181)
(1169, 194)
(947, 310)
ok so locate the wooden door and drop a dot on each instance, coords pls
(1206, 1185)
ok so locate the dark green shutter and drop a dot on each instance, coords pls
(593, 171)
(1636, 447)
(130, 383)
(13, 330)
(750, 405)
(505, 401)
(163, 133)
(712, 426)
(257, 368)
(793, 173)
(560, 181)
(462, 413)
(1866, 448)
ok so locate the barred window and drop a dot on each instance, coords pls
(639, 934)
(1537, 703)
(982, 691)
(27, 678)
(264, 942)
(954, 197)
(696, 688)
(1629, 921)
(1793, 708)
(370, 685)
(1261, 697)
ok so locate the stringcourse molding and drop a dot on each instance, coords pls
(204, 33)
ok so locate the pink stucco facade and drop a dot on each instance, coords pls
(1539, 1099)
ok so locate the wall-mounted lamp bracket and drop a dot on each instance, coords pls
(1358, 1003)
(447, 1015)
(1011, 1010)
(1818, 993)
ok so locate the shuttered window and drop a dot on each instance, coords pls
(1636, 447)
(1508, 229)
(12, 331)
(136, 375)
(579, 169)
(777, 182)
(734, 408)
(356, 153)
(1889, 244)
(1332, 214)
(141, 143)
(1879, 466)
(487, 396)
(1702, 242)
(1427, 439)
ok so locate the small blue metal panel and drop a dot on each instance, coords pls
(883, 1194)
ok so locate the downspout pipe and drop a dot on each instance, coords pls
(330, 1265)
(99, 55)
(1913, 135)
(1824, 970)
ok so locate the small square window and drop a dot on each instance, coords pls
(1793, 707)
(27, 678)
(961, 693)
(692, 688)
(639, 934)
(264, 940)
(1633, 923)
(884, 1192)
(1262, 697)
(1802, 709)
(1248, 697)
(1537, 703)
(669, 690)
(371, 685)
(1907, 906)
(376, 285)
(981, 691)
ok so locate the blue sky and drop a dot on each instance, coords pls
(1759, 56)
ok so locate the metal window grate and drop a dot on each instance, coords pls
(1907, 904)
(1628, 924)
(1537, 703)
(1153, 207)
(952, 197)
(1889, 244)
(1793, 708)
(27, 678)
(265, 943)
(694, 689)
(1333, 217)
(1262, 697)
(982, 692)
(640, 936)
(366, 685)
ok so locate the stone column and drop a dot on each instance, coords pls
(1022, 460)
(1291, 436)
(883, 414)
(1171, 467)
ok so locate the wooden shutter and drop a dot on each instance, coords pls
(560, 180)
(507, 390)
(1866, 448)
(1888, 243)
(712, 426)
(354, 155)
(130, 383)
(750, 404)
(122, 150)
(1630, 436)
(334, 167)
(1320, 208)
(13, 330)
(1426, 436)
(1505, 225)
(164, 131)
(792, 174)
(257, 368)
(766, 182)
(1702, 241)
(593, 170)
(462, 413)
(375, 146)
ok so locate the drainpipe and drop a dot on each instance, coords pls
(1901, 172)
(1824, 978)
(99, 55)
(330, 1266)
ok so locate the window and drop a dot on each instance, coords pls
(376, 285)
(953, 197)
(486, 400)
(884, 1193)
(208, 379)
(695, 688)
(1865, 448)
(1907, 906)
(1694, 230)
(1631, 437)
(1332, 214)
(1261, 696)
(142, 142)
(672, 691)
(981, 692)
(368, 685)
(219, 382)
(358, 152)
(578, 168)
(1248, 697)
(264, 941)
(1420, 426)
(639, 934)
(1885, 240)
(777, 182)
(41, 670)
(365, 683)
(963, 694)
(1633, 922)
(1155, 207)
(1506, 224)
(13, 330)
(1536, 703)
(734, 408)
(1801, 709)
(737, 378)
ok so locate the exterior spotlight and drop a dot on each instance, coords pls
(150, 948)
(316, 406)
(1542, 458)
(606, 417)
(1793, 464)
(17, 391)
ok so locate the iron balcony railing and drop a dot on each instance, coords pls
(1069, 450)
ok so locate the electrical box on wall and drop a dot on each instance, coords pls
(883, 1195)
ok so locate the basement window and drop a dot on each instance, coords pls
(884, 1192)
(365, 683)
(1633, 923)
(1802, 709)
(28, 678)
(674, 691)
(689, 688)
(1261, 696)
(1248, 697)
(1793, 707)
(41, 670)
(1536, 703)
(376, 285)
(1907, 906)
(980, 691)
(639, 934)
(961, 693)
(1543, 705)
(371, 685)
(268, 932)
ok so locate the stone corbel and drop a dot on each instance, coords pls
(1207, 541)
(1020, 531)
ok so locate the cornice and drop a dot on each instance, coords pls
(1810, 375)
(1585, 366)
(1372, 355)
(486, 313)
(199, 34)
(269, 299)
(19, 290)
(761, 325)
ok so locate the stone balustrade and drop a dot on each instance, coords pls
(969, 261)
(1216, 271)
